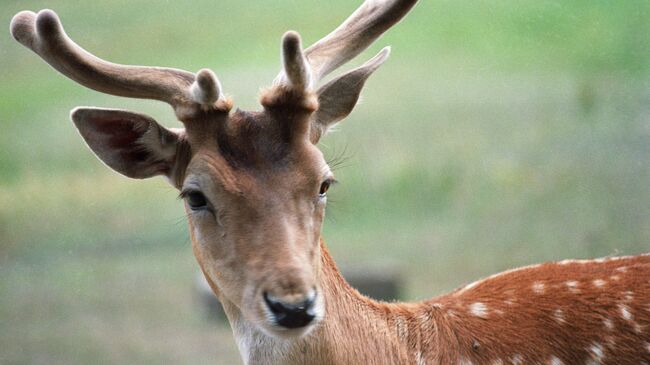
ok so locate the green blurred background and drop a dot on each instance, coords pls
(500, 133)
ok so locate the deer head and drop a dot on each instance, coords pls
(254, 183)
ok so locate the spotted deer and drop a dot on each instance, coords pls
(255, 187)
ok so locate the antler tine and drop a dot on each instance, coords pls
(206, 89)
(296, 68)
(355, 34)
(44, 34)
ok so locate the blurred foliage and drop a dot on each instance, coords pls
(500, 133)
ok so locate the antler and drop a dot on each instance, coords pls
(354, 35)
(296, 68)
(44, 34)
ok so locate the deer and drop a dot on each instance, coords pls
(254, 185)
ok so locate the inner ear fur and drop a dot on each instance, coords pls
(132, 144)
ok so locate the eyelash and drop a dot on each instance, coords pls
(200, 202)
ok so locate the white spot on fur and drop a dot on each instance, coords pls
(596, 351)
(629, 296)
(647, 346)
(464, 361)
(625, 312)
(497, 362)
(598, 283)
(555, 361)
(559, 316)
(615, 277)
(512, 299)
(608, 323)
(621, 269)
(517, 360)
(478, 309)
(538, 287)
(573, 286)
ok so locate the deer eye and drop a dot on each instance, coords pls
(324, 187)
(196, 200)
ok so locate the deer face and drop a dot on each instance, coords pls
(255, 195)
(254, 183)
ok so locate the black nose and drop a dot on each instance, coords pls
(291, 315)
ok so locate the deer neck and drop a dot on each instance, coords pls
(350, 319)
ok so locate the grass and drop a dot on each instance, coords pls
(499, 134)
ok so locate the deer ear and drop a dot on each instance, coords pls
(338, 97)
(132, 144)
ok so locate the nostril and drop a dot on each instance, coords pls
(291, 315)
(276, 306)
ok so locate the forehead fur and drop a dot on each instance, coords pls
(241, 145)
(253, 139)
(248, 144)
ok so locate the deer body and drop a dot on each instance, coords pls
(255, 189)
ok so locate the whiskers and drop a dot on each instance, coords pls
(339, 159)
